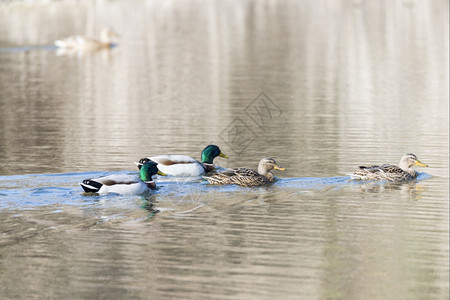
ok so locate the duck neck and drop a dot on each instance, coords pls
(208, 167)
(269, 176)
(207, 158)
(407, 168)
(411, 172)
(263, 170)
(207, 161)
(145, 177)
(151, 185)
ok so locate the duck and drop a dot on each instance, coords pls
(124, 184)
(388, 172)
(186, 166)
(247, 177)
(86, 43)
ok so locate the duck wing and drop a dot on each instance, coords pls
(118, 179)
(385, 172)
(94, 185)
(168, 160)
(248, 177)
(395, 173)
(208, 167)
(238, 172)
(367, 173)
(390, 169)
(382, 168)
(179, 165)
(220, 178)
(239, 176)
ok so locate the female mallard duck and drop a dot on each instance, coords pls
(247, 177)
(124, 184)
(403, 172)
(85, 43)
(183, 165)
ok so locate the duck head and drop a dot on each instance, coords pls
(408, 161)
(210, 152)
(148, 169)
(267, 164)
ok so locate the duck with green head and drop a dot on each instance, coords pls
(185, 166)
(123, 183)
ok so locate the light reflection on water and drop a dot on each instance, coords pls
(354, 83)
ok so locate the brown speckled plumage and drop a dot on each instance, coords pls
(404, 172)
(246, 177)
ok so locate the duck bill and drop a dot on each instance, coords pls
(161, 173)
(279, 168)
(418, 163)
(223, 155)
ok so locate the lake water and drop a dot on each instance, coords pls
(321, 86)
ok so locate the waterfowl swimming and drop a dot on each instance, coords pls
(124, 184)
(403, 172)
(85, 43)
(183, 165)
(247, 177)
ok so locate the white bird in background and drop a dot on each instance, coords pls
(79, 42)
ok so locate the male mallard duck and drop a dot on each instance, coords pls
(124, 184)
(183, 165)
(403, 172)
(247, 177)
(85, 43)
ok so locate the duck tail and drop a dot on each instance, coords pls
(90, 186)
(138, 164)
(356, 177)
(210, 179)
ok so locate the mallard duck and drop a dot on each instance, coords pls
(247, 177)
(85, 43)
(124, 184)
(403, 172)
(183, 165)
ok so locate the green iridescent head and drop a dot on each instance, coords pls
(149, 169)
(210, 152)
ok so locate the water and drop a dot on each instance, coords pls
(321, 86)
